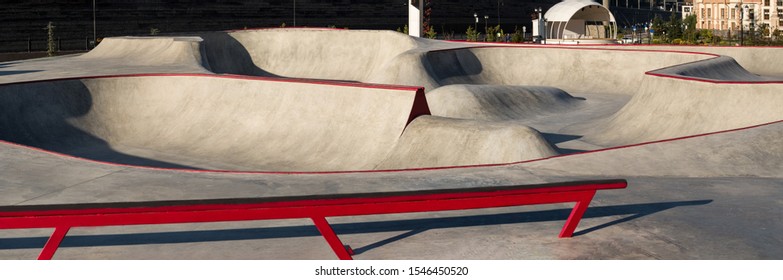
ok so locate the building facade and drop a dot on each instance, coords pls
(735, 15)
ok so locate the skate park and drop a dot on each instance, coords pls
(299, 111)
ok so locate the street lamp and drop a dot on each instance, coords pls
(294, 13)
(486, 28)
(499, 3)
(475, 26)
(742, 22)
(94, 37)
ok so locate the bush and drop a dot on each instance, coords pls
(517, 37)
(677, 41)
(430, 33)
(471, 34)
(493, 32)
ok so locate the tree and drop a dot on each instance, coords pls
(471, 34)
(51, 47)
(658, 26)
(673, 27)
(494, 34)
(430, 33)
(517, 37)
(690, 29)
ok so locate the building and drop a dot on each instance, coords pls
(735, 15)
(579, 20)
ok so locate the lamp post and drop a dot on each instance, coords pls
(742, 22)
(499, 3)
(475, 26)
(94, 37)
(486, 27)
(294, 13)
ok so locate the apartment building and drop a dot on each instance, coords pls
(734, 15)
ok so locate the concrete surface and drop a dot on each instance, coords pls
(714, 193)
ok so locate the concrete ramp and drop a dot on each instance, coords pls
(435, 141)
(667, 107)
(722, 68)
(150, 51)
(573, 70)
(211, 121)
(498, 102)
(305, 53)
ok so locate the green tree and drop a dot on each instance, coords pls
(404, 29)
(430, 33)
(658, 27)
(51, 47)
(517, 37)
(154, 31)
(471, 34)
(495, 34)
(690, 33)
(673, 27)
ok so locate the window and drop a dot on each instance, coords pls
(722, 13)
(709, 13)
(703, 15)
(766, 3)
(766, 14)
(733, 13)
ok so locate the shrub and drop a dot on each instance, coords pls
(430, 33)
(471, 34)
(517, 37)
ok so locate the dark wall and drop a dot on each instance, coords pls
(21, 21)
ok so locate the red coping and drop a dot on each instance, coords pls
(65, 216)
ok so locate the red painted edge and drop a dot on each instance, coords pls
(234, 77)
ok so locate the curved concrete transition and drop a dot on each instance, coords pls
(277, 112)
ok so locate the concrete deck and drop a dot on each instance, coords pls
(698, 137)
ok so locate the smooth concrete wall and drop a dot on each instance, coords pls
(668, 108)
(259, 125)
(310, 53)
(574, 70)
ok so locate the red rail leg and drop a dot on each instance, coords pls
(576, 215)
(326, 230)
(53, 243)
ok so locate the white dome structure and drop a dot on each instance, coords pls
(579, 20)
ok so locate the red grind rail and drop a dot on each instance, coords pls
(63, 217)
